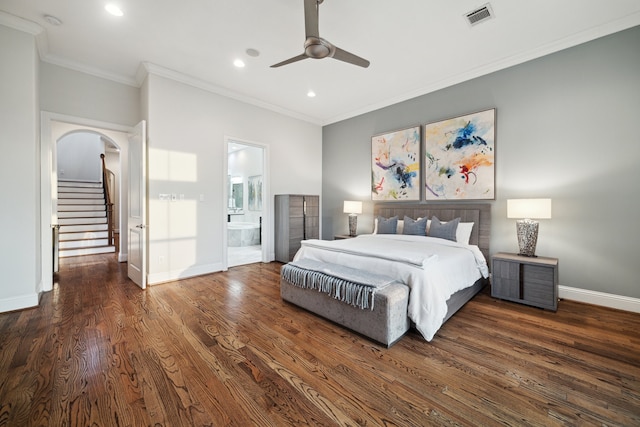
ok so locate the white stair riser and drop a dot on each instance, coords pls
(77, 221)
(84, 214)
(79, 184)
(83, 228)
(87, 251)
(80, 208)
(85, 235)
(99, 190)
(80, 196)
(83, 243)
(80, 201)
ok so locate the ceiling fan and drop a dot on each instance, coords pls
(315, 46)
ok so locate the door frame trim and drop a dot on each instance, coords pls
(267, 232)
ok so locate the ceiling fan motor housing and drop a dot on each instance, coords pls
(318, 48)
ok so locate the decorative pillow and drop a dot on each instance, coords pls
(445, 230)
(399, 227)
(463, 232)
(415, 227)
(387, 225)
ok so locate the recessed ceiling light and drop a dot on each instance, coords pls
(52, 20)
(114, 9)
(311, 94)
(252, 52)
(239, 63)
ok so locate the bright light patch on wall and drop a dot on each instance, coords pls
(114, 9)
(311, 94)
(173, 166)
(239, 63)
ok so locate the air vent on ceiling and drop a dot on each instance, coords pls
(479, 15)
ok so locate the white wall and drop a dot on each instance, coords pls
(79, 157)
(566, 129)
(19, 171)
(186, 136)
(73, 93)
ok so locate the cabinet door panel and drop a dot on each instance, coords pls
(296, 230)
(539, 293)
(537, 273)
(506, 279)
(505, 288)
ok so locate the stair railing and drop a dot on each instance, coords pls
(106, 175)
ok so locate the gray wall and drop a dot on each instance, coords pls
(566, 129)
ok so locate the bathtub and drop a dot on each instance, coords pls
(243, 234)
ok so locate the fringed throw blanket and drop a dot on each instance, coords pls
(351, 286)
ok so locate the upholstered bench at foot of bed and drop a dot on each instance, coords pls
(386, 323)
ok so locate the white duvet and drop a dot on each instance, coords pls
(433, 268)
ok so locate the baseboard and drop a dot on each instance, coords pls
(600, 298)
(19, 303)
(170, 276)
(122, 257)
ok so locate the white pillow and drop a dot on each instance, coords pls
(463, 232)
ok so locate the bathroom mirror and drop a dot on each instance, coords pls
(235, 193)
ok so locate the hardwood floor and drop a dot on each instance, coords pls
(224, 349)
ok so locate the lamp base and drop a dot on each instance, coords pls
(353, 225)
(527, 237)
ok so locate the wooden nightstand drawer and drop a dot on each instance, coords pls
(532, 281)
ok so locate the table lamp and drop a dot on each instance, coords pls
(352, 208)
(527, 228)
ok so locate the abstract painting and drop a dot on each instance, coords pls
(460, 158)
(255, 193)
(395, 165)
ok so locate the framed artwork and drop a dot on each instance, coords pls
(255, 193)
(395, 165)
(459, 158)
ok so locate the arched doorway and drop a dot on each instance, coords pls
(87, 202)
(53, 127)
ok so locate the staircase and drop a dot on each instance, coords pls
(82, 215)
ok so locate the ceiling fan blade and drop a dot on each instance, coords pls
(290, 60)
(311, 18)
(345, 56)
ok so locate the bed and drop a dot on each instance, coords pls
(441, 275)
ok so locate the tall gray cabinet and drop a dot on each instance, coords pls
(297, 218)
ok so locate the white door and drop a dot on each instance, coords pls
(137, 249)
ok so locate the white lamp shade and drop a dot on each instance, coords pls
(352, 207)
(529, 208)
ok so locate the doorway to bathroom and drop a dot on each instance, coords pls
(245, 202)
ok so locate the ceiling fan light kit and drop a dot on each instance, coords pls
(315, 46)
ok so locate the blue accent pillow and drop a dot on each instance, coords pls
(415, 227)
(387, 225)
(444, 231)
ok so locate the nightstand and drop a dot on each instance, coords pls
(527, 280)
(342, 236)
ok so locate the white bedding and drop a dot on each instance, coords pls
(434, 269)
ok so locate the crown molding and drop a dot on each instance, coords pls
(150, 68)
(83, 68)
(20, 24)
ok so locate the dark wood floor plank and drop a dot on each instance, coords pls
(224, 349)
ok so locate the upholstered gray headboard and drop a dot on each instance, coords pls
(479, 214)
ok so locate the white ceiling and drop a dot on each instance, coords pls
(415, 46)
